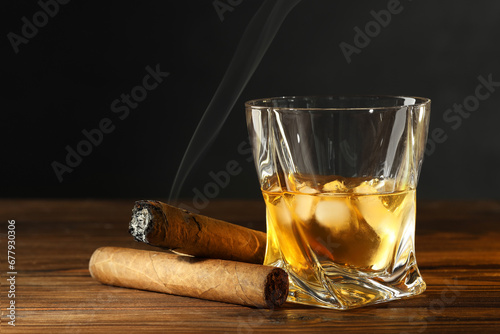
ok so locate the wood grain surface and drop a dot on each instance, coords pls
(458, 252)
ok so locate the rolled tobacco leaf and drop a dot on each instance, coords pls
(219, 280)
(181, 231)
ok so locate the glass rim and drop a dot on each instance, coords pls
(258, 103)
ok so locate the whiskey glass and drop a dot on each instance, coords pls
(338, 175)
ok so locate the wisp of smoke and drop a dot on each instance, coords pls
(253, 45)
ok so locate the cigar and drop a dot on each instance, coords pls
(219, 280)
(181, 231)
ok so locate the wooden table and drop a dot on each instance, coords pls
(458, 251)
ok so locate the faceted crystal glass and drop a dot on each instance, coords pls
(338, 175)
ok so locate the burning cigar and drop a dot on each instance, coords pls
(181, 231)
(225, 281)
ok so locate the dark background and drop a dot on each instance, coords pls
(65, 78)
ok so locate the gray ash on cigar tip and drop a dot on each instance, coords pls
(141, 222)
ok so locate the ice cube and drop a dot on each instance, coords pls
(334, 213)
(274, 189)
(385, 224)
(336, 186)
(386, 186)
(385, 251)
(374, 212)
(374, 186)
(364, 189)
(308, 190)
(305, 204)
(282, 214)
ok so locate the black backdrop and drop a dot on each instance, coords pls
(68, 71)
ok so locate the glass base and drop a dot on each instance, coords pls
(342, 290)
